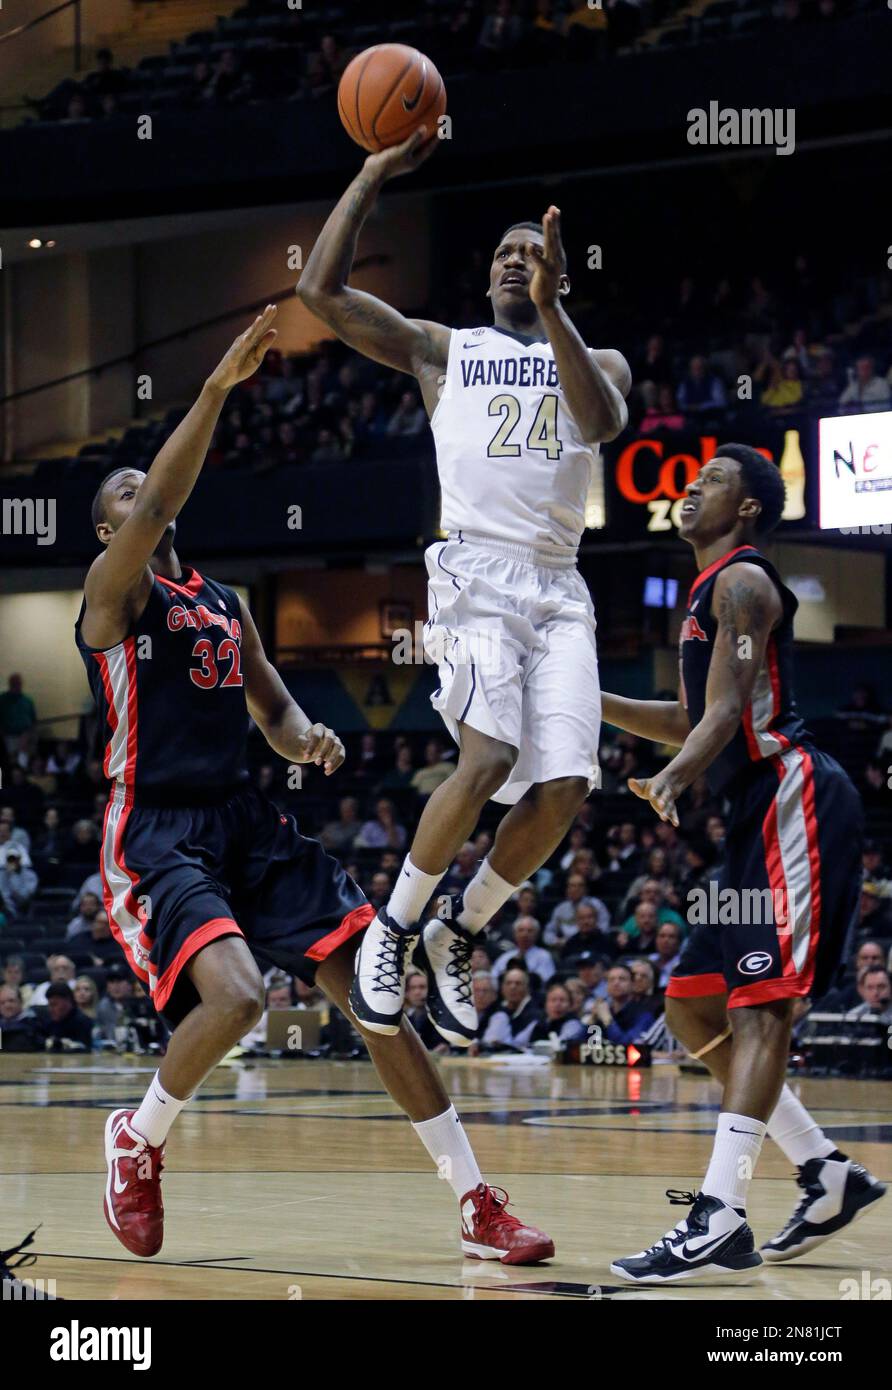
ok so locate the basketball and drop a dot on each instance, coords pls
(386, 93)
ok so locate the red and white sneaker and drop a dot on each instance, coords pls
(133, 1206)
(489, 1233)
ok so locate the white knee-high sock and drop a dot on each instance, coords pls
(448, 1145)
(411, 894)
(483, 897)
(157, 1112)
(738, 1140)
(795, 1132)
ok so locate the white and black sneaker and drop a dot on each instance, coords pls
(836, 1192)
(378, 991)
(714, 1242)
(444, 952)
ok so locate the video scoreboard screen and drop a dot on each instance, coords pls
(855, 472)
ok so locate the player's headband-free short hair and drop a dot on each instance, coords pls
(534, 227)
(97, 509)
(761, 479)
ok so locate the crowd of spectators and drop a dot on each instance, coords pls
(589, 942)
(269, 51)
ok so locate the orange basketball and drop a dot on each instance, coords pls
(386, 93)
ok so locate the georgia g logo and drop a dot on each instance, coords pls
(754, 963)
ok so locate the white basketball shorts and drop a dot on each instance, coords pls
(512, 631)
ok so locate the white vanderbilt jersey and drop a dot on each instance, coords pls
(511, 461)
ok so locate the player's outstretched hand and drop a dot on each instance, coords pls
(548, 261)
(322, 747)
(247, 352)
(402, 159)
(661, 795)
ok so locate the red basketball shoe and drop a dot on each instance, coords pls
(489, 1233)
(133, 1206)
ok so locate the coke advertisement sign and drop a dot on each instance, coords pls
(647, 477)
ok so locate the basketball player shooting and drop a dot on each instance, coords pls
(203, 876)
(794, 832)
(517, 409)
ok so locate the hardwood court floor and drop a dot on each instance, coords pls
(300, 1179)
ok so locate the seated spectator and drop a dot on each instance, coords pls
(278, 996)
(83, 844)
(45, 783)
(338, 835)
(535, 959)
(461, 871)
(654, 891)
(64, 760)
(86, 996)
(875, 994)
(644, 984)
(667, 954)
(49, 843)
(873, 865)
(18, 883)
(18, 835)
(784, 389)
(486, 998)
(664, 414)
(416, 1011)
(408, 419)
(370, 763)
(63, 1027)
(502, 30)
(624, 838)
(875, 911)
(588, 936)
(560, 1019)
(513, 1021)
(19, 1030)
(620, 1015)
(638, 933)
(562, 923)
(435, 771)
(379, 889)
(399, 778)
(701, 389)
(97, 943)
(61, 971)
(866, 390)
(576, 840)
(112, 1013)
(869, 956)
(14, 974)
(591, 971)
(81, 924)
(383, 831)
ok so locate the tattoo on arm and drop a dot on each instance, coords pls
(743, 614)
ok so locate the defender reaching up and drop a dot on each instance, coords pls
(517, 409)
(203, 877)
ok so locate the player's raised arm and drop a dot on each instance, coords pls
(662, 721)
(122, 567)
(278, 716)
(746, 606)
(595, 383)
(359, 319)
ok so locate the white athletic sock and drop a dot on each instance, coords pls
(738, 1139)
(157, 1113)
(795, 1132)
(412, 893)
(446, 1142)
(483, 897)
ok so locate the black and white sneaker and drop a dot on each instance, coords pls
(444, 952)
(836, 1192)
(378, 991)
(714, 1242)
